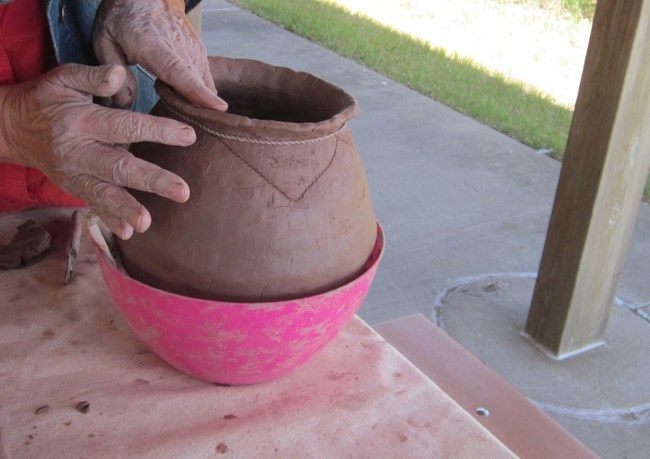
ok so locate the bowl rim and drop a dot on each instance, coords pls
(370, 265)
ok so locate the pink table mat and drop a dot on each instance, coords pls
(65, 344)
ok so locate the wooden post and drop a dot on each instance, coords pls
(600, 187)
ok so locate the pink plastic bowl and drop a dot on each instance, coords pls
(236, 343)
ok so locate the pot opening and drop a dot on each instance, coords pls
(265, 103)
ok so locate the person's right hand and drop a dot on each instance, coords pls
(51, 123)
(157, 35)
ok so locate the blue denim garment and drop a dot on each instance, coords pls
(71, 26)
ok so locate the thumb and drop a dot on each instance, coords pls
(101, 81)
(109, 52)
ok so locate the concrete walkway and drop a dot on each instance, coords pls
(465, 211)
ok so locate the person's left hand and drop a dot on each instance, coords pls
(157, 35)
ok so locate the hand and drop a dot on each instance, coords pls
(52, 124)
(157, 35)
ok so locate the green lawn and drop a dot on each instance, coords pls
(578, 9)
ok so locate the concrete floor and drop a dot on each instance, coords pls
(465, 211)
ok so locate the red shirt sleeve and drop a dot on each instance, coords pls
(25, 53)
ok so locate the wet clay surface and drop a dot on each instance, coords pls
(280, 206)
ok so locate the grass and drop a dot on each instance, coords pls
(577, 9)
(515, 109)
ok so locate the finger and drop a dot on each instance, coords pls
(208, 81)
(117, 166)
(207, 78)
(109, 52)
(122, 126)
(205, 97)
(189, 82)
(125, 96)
(102, 81)
(203, 65)
(200, 61)
(123, 230)
(114, 205)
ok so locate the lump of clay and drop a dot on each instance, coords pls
(28, 246)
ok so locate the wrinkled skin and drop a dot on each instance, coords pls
(51, 123)
(157, 35)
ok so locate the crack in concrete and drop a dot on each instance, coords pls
(640, 309)
(634, 415)
(637, 308)
(458, 284)
(645, 315)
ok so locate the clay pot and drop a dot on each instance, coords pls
(279, 206)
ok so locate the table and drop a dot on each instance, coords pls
(76, 382)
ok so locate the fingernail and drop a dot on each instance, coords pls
(111, 71)
(126, 233)
(144, 222)
(107, 75)
(208, 100)
(220, 104)
(187, 134)
(181, 192)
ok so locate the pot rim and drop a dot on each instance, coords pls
(233, 125)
